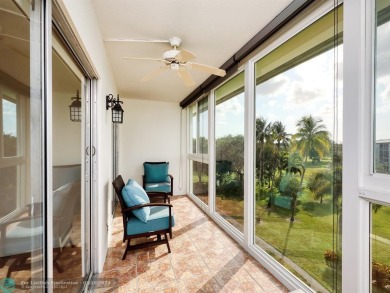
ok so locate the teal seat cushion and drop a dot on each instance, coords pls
(158, 220)
(156, 172)
(163, 187)
(133, 194)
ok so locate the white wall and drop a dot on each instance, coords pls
(151, 131)
(66, 134)
(84, 23)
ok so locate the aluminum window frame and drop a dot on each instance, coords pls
(303, 21)
(246, 239)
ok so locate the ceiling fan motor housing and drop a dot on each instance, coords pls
(170, 55)
(175, 41)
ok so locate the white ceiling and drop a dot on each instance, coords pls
(213, 30)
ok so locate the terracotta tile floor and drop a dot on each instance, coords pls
(203, 259)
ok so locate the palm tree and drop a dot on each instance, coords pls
(262, 132)
(280, 135)
(312, 135)
(321, 183)
(291, 184)
(282, 139)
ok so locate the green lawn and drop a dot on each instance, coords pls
(381, 228)
(314, 230)
(302, 241)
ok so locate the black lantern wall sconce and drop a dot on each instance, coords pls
(75, 108)
(117, 111)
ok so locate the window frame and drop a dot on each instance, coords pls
(246, 239)
(303, 21)
(370, 180)
(19, 160)
(228, 227)
(361, 184)
(197, 156)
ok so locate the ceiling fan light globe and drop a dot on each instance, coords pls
(175, 66)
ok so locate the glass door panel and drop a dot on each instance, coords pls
(21, 163)
(70, 234)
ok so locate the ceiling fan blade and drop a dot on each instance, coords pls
(154, 73)
(136, 40)
(206, 68)
(185, 56)
(144, 58)
(186, 77)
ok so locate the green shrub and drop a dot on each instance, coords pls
(289, 186)
(230, 185)
(380, 275)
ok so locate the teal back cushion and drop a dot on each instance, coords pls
(156, 172)
(133, 194)
(135, 183)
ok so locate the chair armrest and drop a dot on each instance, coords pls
(152, 194)
(146, 205)
(171, 184)
(20, 220)
(127, 210)
(36, 207)
(4, 225)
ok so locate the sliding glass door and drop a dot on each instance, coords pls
(45, 156)
(22, 181)
(70, 197)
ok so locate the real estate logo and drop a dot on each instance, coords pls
(7, 285)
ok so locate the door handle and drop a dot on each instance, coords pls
(93, 150)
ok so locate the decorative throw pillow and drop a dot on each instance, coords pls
(135, 183)
(133, 194)
(156, 172)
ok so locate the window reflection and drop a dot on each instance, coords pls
(199, 121)
(21, 196)
(203, 145)
(10, 128)
(380, 248)
(68, 241)
(382, 88)
(194, 127)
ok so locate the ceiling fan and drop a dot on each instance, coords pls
(179, 61)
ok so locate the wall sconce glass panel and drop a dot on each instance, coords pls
(75, 109)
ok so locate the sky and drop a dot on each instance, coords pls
(9, 117)
(309, 88)
(383, 82)
(303, 90)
